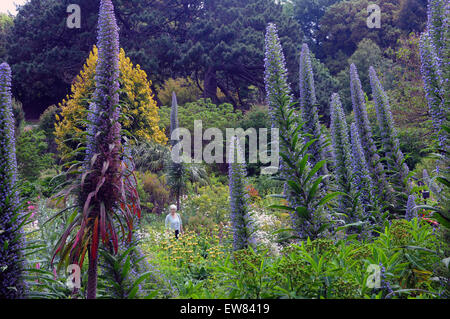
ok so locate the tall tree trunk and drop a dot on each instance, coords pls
(92, 277)
(210, 84)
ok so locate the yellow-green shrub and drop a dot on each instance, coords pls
(140, 111)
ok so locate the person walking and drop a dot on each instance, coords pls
(173, 221)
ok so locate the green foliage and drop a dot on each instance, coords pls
(257, 117)
(327, 268)
(212, 115)
(308, 14)
(19, 116)
(6, 23)
(155, 193)
(367, 54)
(324, 84)
(409, 106)
(43, 232)
(343, 27)
(225, 44)
(32, 156)
(185, 88)
(47, 122)
(206, 208)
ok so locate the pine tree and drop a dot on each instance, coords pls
(11, 238)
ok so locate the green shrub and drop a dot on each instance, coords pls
(153, 191)
(32, 156)
(210, 206)
(221, 116)
(47, 122)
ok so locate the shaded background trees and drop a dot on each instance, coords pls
(217, 41)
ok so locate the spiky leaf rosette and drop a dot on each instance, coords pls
(398, 171)
(342, 156)
(241, 221)
(308, 107)
(365, 134)
(11, 240)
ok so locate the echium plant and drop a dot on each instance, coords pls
(398, 171)
(104, 200)
(302, 182)
(365, 134)
(275, 79)
(342, 157)
(435, 56)
(177, 171)
(241, 220)
(434, 53)
(411, 210)
(308, 107)
(361, 175)
(11, 240)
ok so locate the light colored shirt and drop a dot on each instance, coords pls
(174, 222)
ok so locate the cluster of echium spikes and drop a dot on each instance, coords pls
(361, 175)
(376, 169)
(434, 53)
(342, 157)
(241, 220)
(308, 107)
(11, 239)
(398, 171)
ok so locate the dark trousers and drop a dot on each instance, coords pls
(177, 232)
